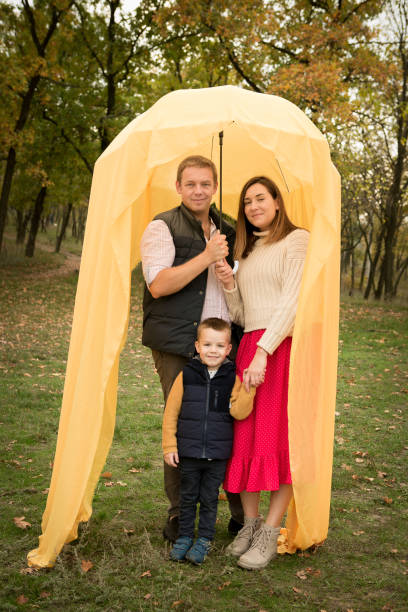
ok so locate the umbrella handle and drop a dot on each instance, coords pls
(221, 136)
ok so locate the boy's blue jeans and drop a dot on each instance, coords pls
(200, 482)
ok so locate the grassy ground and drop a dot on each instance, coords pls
(361, 567)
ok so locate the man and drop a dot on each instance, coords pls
(179, 249)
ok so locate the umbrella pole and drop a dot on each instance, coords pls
(221, 136)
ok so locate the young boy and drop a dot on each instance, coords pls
(198, 433)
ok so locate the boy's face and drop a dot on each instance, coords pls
(213, 346)
(197, 188)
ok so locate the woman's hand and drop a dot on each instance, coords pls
(172, 459)
(224, 274)
(254, 374)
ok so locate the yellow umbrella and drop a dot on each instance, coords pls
(133, 181)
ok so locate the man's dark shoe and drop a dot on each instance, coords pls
(234, 526)
(171, 529)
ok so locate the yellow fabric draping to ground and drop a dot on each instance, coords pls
(134, 180)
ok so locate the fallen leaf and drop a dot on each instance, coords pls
(176, 603)
(301, 574)
(388, 500)
(128, 532)
(29, 570)
(107, 475)
(86, 565)
(147, 596)
(296, 590)
(109, 484)
(120, 483)
(44, 594)
(359, 460)
(222, 497)
(21, 600)
(20, 522)
(146, 573)
(135, 470)
(358, 533)
(225, 584)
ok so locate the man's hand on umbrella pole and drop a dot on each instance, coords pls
(217, 247)
(171, 280)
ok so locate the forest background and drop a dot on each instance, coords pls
(75, 72)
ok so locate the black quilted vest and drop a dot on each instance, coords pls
(204, 429)
(170, 322)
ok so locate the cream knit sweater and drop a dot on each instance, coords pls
(267, 287)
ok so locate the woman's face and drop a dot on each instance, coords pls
(260, 207)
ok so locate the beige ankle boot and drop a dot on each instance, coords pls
(243, 539)
(263, 548)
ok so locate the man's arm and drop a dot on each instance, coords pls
(171, 280)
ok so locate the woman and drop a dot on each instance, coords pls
(262, 298)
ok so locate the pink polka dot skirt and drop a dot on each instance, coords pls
(260, 454)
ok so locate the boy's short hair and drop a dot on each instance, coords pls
(196, 161)
(216, 324)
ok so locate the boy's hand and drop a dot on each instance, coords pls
(172, 459)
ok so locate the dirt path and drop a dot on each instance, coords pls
(71, 263)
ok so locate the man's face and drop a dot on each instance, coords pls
(197, 188)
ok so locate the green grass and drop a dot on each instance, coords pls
(361, 567)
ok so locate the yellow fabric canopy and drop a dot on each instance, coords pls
(133, 181)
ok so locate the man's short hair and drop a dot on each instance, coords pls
(216, 324)
(196, 161)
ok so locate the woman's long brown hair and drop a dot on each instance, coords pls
(281, 225)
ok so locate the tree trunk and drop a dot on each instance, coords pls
(374, 262)
(5, 190)
(110, 78)
(378, 291)
(389, 252)
(22, 222)
(400, 274)
(353, 273)
(65, 220)
(82, 222)
(35, 221)
(363, 270)
(74, 230)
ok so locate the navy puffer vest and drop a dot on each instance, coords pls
(170, 322)
(205, 426)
